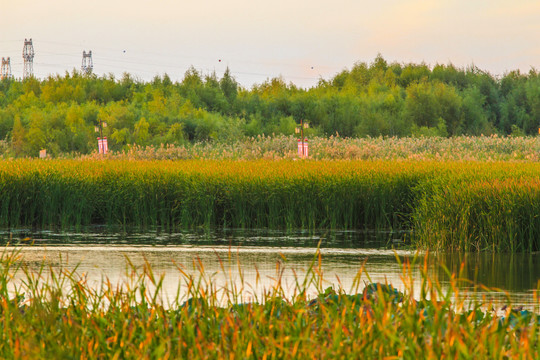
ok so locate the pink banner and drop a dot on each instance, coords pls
(303, 149)
(103, 147)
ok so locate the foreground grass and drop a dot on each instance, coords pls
(62, 316)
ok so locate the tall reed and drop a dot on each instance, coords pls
(480, 206)
(471, 206)
(284, 194)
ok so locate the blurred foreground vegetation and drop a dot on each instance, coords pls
(376, 99)
(60, 314)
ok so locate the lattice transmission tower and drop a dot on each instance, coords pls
(87, 64)
(5, 72)
(28, 56)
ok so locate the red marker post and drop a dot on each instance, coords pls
(103, 147)
(303, 149)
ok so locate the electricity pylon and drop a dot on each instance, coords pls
(87, 64)
(28, 56)
(5, 72)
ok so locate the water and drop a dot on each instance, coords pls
(255, 260)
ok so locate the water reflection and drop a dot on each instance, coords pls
(260, 266)
(512, 272)
(263, 254)
(235, 237)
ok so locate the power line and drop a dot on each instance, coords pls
(137, 66)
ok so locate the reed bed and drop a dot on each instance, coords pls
(480, 206)
(458, 148)
(284, 194)
(467, 206)
(62, 316)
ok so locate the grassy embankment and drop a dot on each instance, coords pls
(448, 205)
(62, 316)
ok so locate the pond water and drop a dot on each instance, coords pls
(255, 260)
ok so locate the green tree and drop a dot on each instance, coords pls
(474, 120)
(141, 134)
(229, 86)
(421, 107)
(18, 135)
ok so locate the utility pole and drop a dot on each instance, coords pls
(28, 56)
(5, 72)
(87, 64)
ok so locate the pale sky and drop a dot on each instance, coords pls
(297, 39)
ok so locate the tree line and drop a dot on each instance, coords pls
(60, 113)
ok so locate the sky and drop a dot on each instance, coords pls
(298, 40)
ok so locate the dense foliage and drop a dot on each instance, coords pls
(60, 113)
